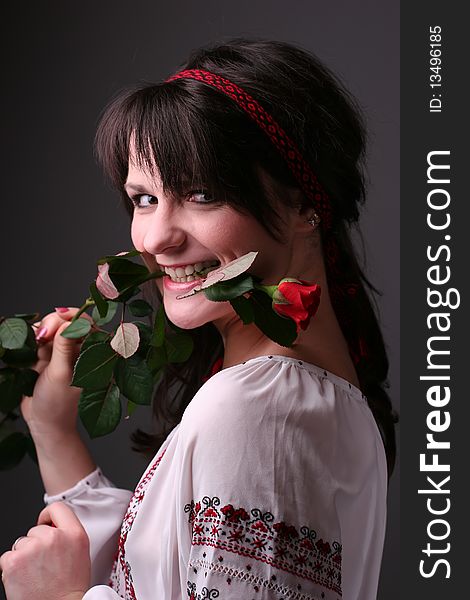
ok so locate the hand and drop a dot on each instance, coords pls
(53, 407)
(52, 562)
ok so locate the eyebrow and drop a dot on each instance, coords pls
(136, 187)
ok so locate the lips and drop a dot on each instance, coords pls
(175, 286)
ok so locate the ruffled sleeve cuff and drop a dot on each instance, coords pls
(94, 480)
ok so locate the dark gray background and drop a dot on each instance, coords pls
(62, 63)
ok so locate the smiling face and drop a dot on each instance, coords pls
(185, 231)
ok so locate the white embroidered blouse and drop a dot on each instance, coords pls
(272, 486)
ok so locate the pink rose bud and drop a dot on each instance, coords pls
(104, 283)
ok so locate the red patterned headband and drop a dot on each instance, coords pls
(302, 172)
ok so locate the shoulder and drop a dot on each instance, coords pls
(244, 387)
(262, 396)
(222, 401)
(271, 379)
(280, 398)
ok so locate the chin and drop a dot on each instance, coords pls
(194, 315)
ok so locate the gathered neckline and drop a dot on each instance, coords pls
(319, 371)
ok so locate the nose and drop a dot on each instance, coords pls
(158, 231)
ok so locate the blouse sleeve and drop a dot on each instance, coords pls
(256, 499)
(100, 507)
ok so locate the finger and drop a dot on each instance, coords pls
(44, 353)
(23, 539)
(4, 558)
(68, 313)
(47, 328)
(65, 352)
(59, 515)
(38, 531)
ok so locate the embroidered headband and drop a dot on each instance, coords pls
(299, 167)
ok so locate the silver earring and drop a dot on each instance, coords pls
(314, 220)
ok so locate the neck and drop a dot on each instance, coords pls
(322, 343)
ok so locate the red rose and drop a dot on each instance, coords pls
(297, 300)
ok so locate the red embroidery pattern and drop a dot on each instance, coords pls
(121, 568)
(257, 536)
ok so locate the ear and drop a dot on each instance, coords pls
(306, 220)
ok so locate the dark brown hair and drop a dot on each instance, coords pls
(196, 134)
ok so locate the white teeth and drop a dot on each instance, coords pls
(184, 274)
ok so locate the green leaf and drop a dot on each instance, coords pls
(131, 406)
(156, 360)
(112, 308)
(108, 259)
(145, 332)
(100, 302)
(134, 379)
(127, 276)
(244, 309)
(10, 389)
(94, 337)
(128, 293)
(77, 329)
(13, 333)
(281, 330)
(94, 367)
(233, 288)
(25, 356)
(179, 347)
(158, 336)
(2, 351)
(140, 308)
(125, 273)
(14, 383)
(27, 380)
(100, 410)
(12, 449)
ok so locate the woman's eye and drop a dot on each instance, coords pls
(144, 200)
(200, 197)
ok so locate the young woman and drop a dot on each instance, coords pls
(269, 478)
